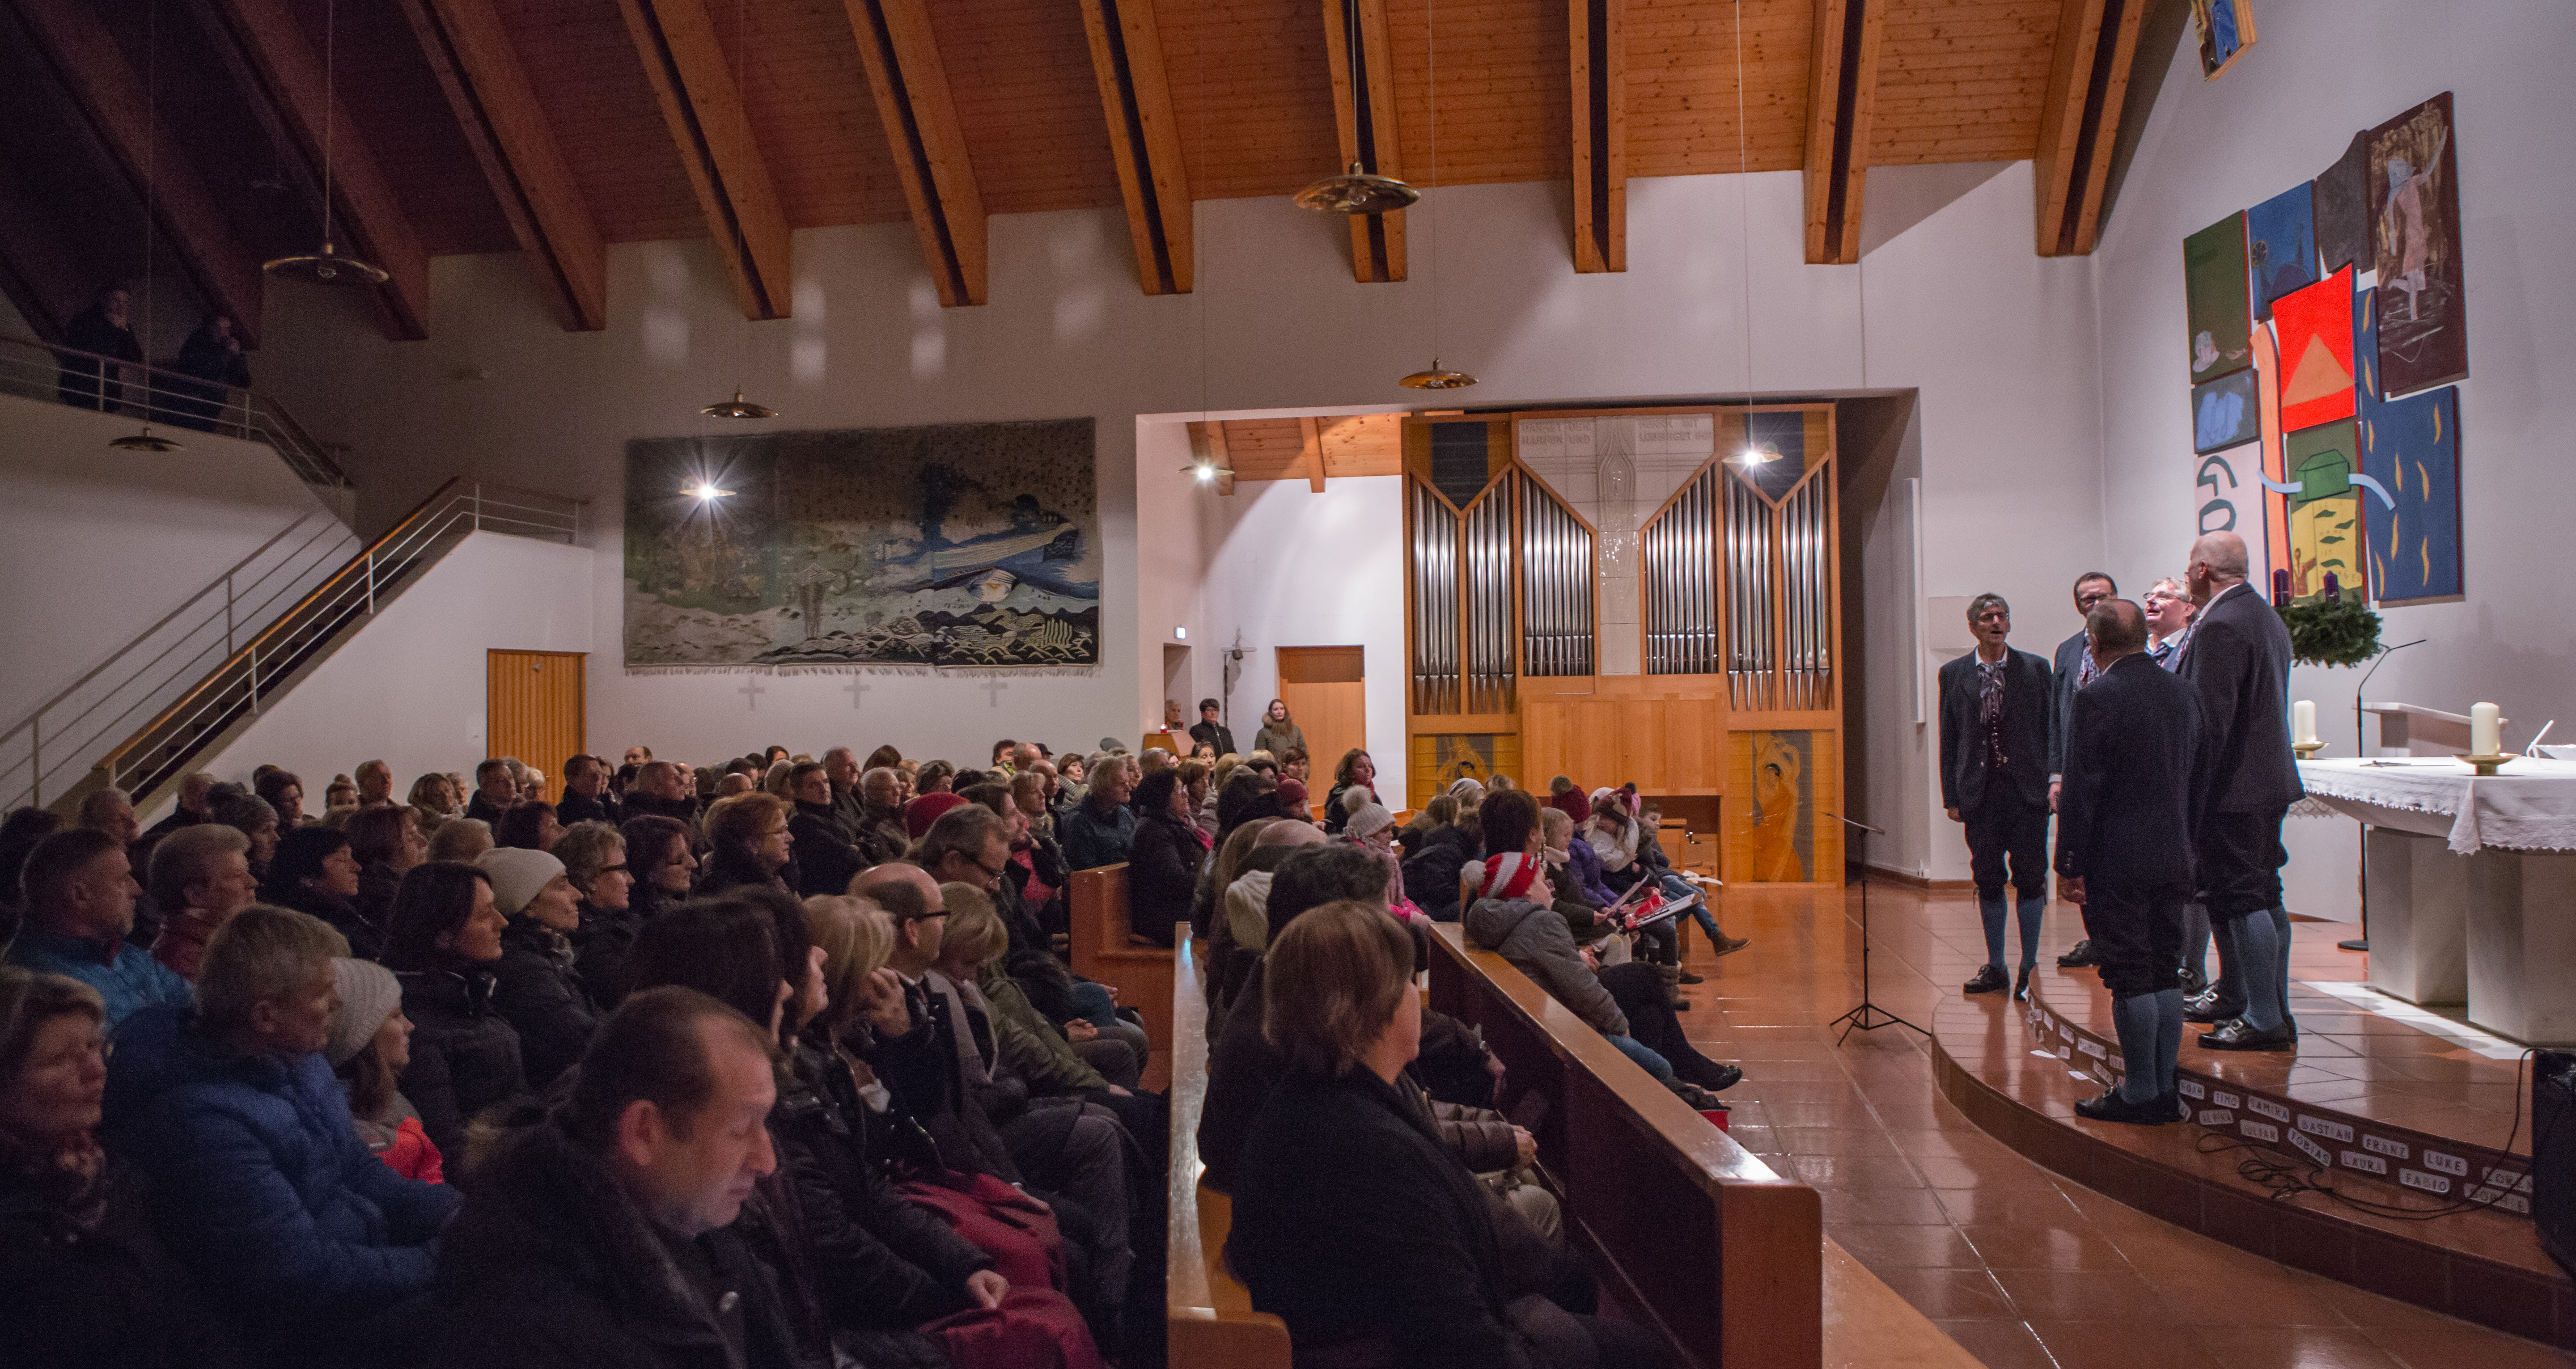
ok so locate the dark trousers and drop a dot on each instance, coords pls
(2137, 933)
(2240, 862)
(2002, 827)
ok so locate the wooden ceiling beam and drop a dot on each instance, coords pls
(911, 85)
(39, 273)
(289, 78)
(497, 107)
(1377, 240)
(702, 104)
(1311, 452)
(1144, 137)
(114, 103)
(1598, 47)
(1842, 87)
(2079, 122)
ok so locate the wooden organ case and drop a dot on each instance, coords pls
(1647, 595)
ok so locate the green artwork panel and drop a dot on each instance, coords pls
(2325, 513)
(2216, 295)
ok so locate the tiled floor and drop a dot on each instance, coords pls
(2021, 1267)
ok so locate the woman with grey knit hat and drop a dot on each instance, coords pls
(370, 1044)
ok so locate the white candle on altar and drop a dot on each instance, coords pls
(2486, 728)
(2303, 722)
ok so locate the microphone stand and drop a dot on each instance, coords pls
(1862, 1016)
(2361, 747)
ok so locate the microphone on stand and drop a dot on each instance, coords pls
(2360, 748)
(1868, 1016)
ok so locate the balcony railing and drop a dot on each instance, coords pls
(173, 399)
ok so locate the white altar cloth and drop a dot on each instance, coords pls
(2529, 806)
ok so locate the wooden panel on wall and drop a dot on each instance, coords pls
(1785, 782)
(1324, 690)
(534, 710)
(1665, 733)
(1440, 759)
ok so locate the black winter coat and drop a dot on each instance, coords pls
(366, 938)
(1431, 875)
(464, 1056)
(539, 992)
(1162, 874)
(730, 867)
(78, 1295)
(549, 1263)
(1353, 1224)
(881, 1262)
(377, 885)
(825, 857)
(599, 948)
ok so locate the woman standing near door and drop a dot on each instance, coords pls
(1278, 731)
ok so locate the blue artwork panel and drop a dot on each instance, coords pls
(2224, 413)
(2281, 246)
(2410, 448)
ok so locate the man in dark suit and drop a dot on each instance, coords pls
(1994, 779)
(1207, 731)
(2124, 850)
(2238, 662)
(2070, 670)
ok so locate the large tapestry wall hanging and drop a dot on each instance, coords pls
(970, 546)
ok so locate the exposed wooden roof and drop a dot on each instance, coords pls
(1310, 449)
(1012, 95)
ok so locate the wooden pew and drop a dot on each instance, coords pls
(1142, 974)
(1209, 1319)
(1696, 1236)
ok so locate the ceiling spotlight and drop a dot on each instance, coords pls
(145, 441)
(1762, 455)
(329, 266)
(1357, 192)
(705, 492)
(738, 407)
(1437, 379)
(1206, 471)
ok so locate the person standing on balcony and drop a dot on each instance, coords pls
(101, 330)
(212, 358)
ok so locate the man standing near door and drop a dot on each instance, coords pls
(1995, 737)
(1208, 731)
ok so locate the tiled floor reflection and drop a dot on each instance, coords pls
(2019, 1266)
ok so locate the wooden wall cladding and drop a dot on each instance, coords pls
(1667, 734)
(1440, 759)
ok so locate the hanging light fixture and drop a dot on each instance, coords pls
(148, 440)
(1435, 378)
(1206, 471)
(1757, 454)
(1356, 191)
(738, 407)
(329, 266)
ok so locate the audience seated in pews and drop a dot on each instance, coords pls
(387, 841)
(536, 987)
(78, 911)
(315, 873)
(444, 945)
(369, 1047)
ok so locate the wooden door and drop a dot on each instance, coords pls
(534, 710)
(1323, 687)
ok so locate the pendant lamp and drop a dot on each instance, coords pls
(330, 265)
(1436, 378)
(738, 407)
(1356, 191)
(148, 440)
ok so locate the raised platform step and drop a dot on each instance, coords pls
(2380, 1111)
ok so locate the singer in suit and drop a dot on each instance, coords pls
(2070, 670)
(2124, 850)
(2238, 662)
(1994, 780)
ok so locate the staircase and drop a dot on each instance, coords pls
(86, 380)
(262, 642)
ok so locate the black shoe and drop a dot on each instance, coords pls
(1730, 945)
(2174, 1106)
(2239, 1035)
(1988, 980)
(2021, 985)
(2111, 1107)
(1681, 1005)
(1718, 1078)
(2205, 1008)
(1689, 978)
(2194, 984)
(2080, 957)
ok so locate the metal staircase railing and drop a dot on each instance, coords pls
(257, 665)
(87, 380)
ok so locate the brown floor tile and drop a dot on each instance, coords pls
(2008, 1207)
(1886, 1246)
(2096, 1295)
(1846, 1140)
(2306, 1347)
(1859, 1171)
(2224, 1294)
(2461, 1346)
(2009, 1171)
(2069, 1246)
(2371, 1310)
(1943, 1294)
(1999, 1344)
(2110, 1345)
(1910, 1206)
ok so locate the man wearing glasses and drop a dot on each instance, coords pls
(1995, 741)
(2169, 618)
(2073, 669)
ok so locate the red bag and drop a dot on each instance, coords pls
(1034, 1328)
(1015, 1229)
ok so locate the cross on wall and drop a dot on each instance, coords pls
(751, 692)
(854, 689)
(993, 690)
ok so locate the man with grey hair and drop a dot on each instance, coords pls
(375, 784)
(2239, 662)
(200, 879)
(110, 811)
(1995, 744)
(194, 804)
(841, 768)
(1101, 828)
(880, 833)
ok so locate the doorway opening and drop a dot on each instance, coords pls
(534, 710)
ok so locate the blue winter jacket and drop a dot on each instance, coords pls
(125, 975)
(259, 1183)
